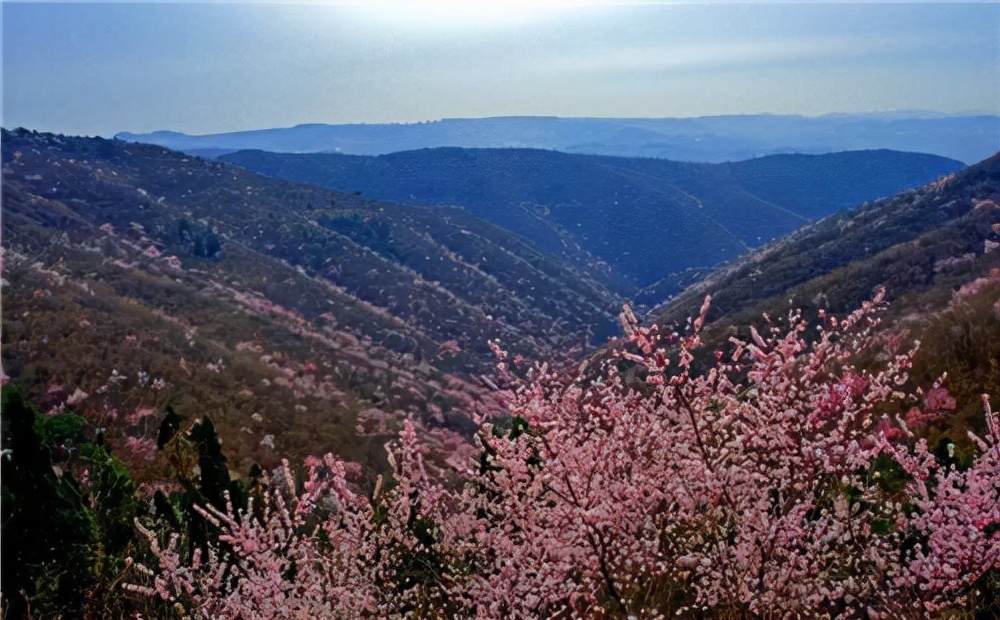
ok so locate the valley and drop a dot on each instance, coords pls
(641, 220)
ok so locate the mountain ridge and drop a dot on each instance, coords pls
(932, 253)
(714, 139)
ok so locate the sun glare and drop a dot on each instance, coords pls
(458, 13)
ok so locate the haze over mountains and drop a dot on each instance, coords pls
(705, 139)
(640, 220)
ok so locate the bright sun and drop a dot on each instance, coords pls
(459, 13)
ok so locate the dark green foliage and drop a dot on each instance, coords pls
(206, 245)
(986, 594)
(114, 503)
(369, 231)
(510, 427)
(184, 230)
(423, 566)
(209, 484)
(503, 426)
(164, 509)
(199, 241)
(212, 245)
(64, 547)
(215, 482)
(46, 533)
(168, 427)
(61, 428)
(112, 509)
(890, 476)
(947, 455)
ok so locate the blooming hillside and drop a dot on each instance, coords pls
(138, 277)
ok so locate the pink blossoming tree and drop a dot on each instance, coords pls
(771, 484)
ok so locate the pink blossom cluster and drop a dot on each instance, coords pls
(142, 448)
(344, 565)
(973, 288)
(139, 414)
(173, 263)
(959, 514)
(755, 486)
(448, 349)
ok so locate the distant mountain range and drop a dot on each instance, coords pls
(645, 221)
(705, 139)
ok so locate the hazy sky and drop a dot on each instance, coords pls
(204, 68)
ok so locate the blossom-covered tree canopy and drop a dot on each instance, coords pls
(773, 484)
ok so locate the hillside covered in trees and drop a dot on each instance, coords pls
(640, 219)
(138, 277)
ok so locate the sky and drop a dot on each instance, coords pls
(101, 68)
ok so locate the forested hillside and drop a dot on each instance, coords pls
(934, 250)
(137, 277)
(643, 219)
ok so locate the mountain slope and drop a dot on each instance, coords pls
(644, 218)
(936, 252)
(899, 241)
(312, 317)
(705, 139)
